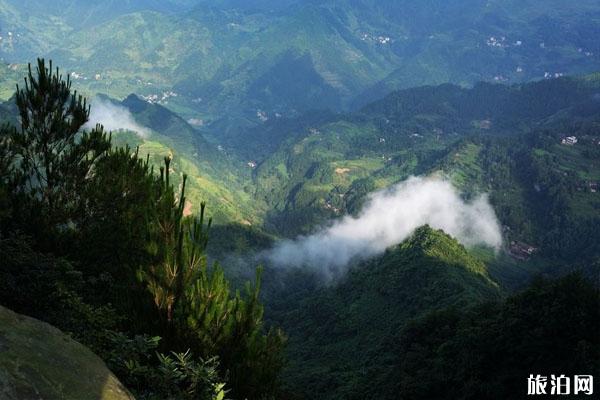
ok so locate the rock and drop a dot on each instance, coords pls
(38, 361)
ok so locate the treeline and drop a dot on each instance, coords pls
(488, 351)
(95, 241)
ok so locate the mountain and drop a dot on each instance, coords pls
(304, 124)
(182, 135)
(240, 64)
(39, 361)
(81, 13)
(487, 41)
(336, 335)
(213, 176)
(505, 140)
(497, 139)
(33, 28)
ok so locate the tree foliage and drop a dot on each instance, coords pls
(54, 158)
(490, 350)
(97, 243)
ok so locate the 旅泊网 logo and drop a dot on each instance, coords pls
(560, 385)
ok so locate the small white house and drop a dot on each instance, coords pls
(569, 140)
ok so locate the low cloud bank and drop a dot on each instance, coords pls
(114, 118)
(388, 218)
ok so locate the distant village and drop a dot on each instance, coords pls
(380, 39)
(573, 140)
(81, 76)
(569, 140)
(161, 99)
(501, 42)
(590, 186)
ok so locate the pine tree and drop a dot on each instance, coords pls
(195, 304)
(105, 209)
(232, 328)
(112, 242)
(178, 247)
(55, 157)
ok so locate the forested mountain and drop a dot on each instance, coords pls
(419, 182)
(396, 328)
(350, 322)
(482, 352)
(297, 173)
(498, 139)
(253, 61)
(508, 141)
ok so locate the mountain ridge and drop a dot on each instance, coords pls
(359, 311)
(231, 58)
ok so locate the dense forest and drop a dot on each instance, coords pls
(458, 333)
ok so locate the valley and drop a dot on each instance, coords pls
(399, 195)
(228, 62)
(505, 141)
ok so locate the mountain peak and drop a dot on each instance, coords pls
(438, 246)
(135, 104)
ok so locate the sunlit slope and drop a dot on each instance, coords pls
(501, 140)
(227, 202)
(213, 176)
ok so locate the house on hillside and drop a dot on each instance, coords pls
(521, 251)
(569, 140)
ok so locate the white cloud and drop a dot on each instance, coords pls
(114, 118)
(388, 218)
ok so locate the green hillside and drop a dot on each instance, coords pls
(227, 200)
(501, 140)
(300, 172)
(337, 335)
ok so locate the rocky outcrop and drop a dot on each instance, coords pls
(38, 361)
